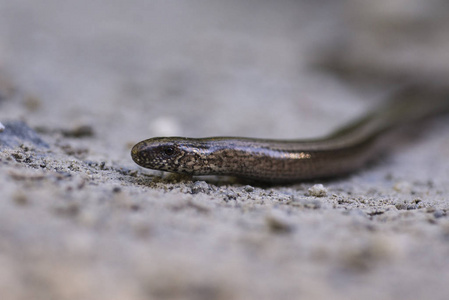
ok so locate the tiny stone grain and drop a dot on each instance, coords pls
(318, 190)
(200, 187)
(278, 221)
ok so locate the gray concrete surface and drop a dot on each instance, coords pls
(79, 220)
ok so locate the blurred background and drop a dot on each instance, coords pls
(95, 226)
(199, 68)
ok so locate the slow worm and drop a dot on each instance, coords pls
(344, 151)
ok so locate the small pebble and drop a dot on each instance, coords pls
(248, 188)
(200, 187)
(229, 194)
(401, 206)
(439, 213)
(403, 187)
(278, 221)
(318, 190)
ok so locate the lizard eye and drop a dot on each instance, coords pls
(169, 151)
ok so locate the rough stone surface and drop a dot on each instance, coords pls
(16, 133)
(79, 220)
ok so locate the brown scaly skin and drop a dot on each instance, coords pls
(344, 151)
